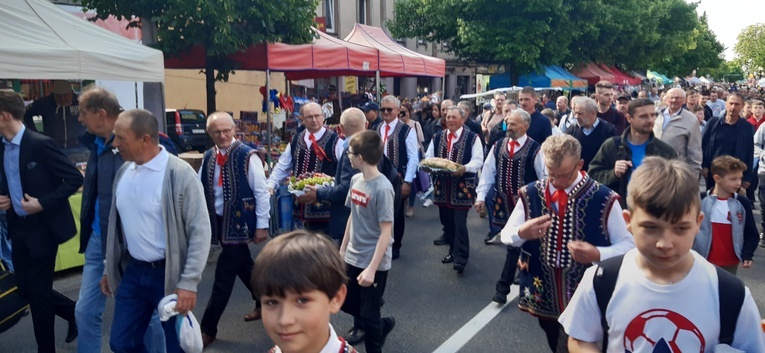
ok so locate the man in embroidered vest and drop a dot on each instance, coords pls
(563, 224)
(454, 193)
(238, 203)
(312, 150)
(511, 163)
(400, 146)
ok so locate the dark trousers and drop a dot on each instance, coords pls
(317, 227)
(490, 210)
(34, 259)
(508, 270)
(752, 190)
(364, 303)
(234, 261)
(398, 223)
(135, 301)
(454, 222)
(557, 338)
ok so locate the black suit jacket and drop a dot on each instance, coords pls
(48, 175)
(337, 194)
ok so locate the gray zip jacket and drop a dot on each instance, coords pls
(702, 244)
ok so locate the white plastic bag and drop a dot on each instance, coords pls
(186, 326)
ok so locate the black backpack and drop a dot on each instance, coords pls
(731, 297)
(12, 305)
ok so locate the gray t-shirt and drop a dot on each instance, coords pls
(371, 202)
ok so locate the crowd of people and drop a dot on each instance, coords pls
(598, 201)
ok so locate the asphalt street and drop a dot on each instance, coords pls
(435, 308)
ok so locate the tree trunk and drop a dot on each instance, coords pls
(210, 84)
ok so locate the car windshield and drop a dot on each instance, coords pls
(192, 116)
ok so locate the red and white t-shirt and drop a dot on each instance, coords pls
(721, 252)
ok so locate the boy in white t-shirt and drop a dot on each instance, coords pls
(666, 296)
(367, 243)
(728, 235)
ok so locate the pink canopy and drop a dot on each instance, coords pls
(396, 60)
(326, 56)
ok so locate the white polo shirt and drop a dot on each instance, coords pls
(139, 203)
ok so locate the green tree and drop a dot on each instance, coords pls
(750, 48)
(729, 70)
(520, 34)
(221, 27)
(636, 34)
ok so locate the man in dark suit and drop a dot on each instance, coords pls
(39, 179)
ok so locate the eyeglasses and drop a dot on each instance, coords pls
(313, 117)
(221, 132)
(386, 110)
(350, 153)
(564, 176)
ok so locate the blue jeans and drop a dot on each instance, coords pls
(90, 305)
(136, 302)
(5, 243)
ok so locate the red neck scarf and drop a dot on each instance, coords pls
(316, 148)
(220, 160)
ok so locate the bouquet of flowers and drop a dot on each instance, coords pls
(296, 185)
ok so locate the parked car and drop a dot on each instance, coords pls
(186, 127)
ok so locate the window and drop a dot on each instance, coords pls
(421, 42)
(362, 17)
(329, 15)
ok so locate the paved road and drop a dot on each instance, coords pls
(431, 303)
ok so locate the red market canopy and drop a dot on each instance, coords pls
(592, 73)
(620, 78)
(326, 56)
(396, 60)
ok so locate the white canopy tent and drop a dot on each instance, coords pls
(42, 41)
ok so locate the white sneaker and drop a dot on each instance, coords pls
(427, 203)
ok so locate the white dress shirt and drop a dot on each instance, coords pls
(413, 157)
(256, 178)
(621, 239)
(489, 171)
(139, 203)
(476, 157)
(284, 166)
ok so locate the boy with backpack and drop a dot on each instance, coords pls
(661, 296)
(367, 243)
(300, 279)
(728, 234)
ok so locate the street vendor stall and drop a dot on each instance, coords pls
(42, 41)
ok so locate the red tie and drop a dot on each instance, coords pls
(561, 197)
(220, 160)
(449, 142)
(317, 149)
(510, 146)
(385, 136)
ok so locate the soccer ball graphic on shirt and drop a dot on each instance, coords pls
(662, 331)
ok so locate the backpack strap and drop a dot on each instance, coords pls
(731, 296)
(604, 283)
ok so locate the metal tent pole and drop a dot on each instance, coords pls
(267, 98)
(377, 83)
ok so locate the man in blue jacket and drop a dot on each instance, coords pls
(729, 135)
(99, 109)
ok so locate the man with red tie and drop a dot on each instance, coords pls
(315, 149)
(234, 184)
(454, 193)
(563, 224)
(400, 142)
(512, 162)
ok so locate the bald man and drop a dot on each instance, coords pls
(680, 129)
(238, 204)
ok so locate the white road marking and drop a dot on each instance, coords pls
(478, 322)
